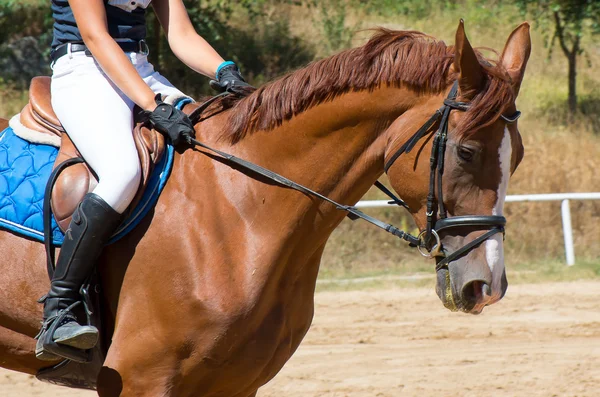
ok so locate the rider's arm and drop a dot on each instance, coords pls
(90, 16)
(185, 43)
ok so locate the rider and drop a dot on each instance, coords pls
(100, 71)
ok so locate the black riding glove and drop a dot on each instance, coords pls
(171, 122)
(229, 79)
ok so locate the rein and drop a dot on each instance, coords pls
(428, 241)
(353, 212)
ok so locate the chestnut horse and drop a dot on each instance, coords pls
(213, 292)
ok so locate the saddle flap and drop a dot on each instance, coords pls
(151, 147)
(77, 180)
(72, 184)
(38, 115)
(39, 98)
(30, 121)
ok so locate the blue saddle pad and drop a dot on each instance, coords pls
(25, 168)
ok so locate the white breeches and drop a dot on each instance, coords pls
(99, 120)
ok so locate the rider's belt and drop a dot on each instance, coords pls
(126, 46)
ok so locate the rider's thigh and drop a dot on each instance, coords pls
(159, 84)
(98, 118)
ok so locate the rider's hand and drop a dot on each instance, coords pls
(171, 122)
(229, 79)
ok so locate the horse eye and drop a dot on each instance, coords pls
(465, 153)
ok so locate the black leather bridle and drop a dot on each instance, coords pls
(428, 241)
(430, 237)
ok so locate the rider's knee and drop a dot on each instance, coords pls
(130, 174)
(125, 178)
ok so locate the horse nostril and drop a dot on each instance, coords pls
(474, 291)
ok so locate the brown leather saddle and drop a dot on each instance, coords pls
(77, 180)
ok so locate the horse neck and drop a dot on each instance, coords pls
(335, 148)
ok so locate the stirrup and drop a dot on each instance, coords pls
(48, 343)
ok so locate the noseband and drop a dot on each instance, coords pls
(428, 241)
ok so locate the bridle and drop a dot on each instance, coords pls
(430, 237)
(428, 241)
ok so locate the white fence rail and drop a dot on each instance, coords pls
(564, 209)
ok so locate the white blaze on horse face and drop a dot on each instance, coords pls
(494, 246)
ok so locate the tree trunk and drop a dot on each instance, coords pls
(572, 84)
(571, 55)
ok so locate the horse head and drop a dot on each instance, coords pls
(482, 149)
(379, 104)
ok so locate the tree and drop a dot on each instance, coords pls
(566, 22)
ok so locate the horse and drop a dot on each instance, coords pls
(213, 292)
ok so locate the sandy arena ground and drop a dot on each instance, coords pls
(541, 340)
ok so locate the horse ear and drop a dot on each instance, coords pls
(516, 54)
(470, 73)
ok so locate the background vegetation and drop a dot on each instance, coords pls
(270, 37)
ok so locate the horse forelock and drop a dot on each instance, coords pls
(393, 58)
(489, 103)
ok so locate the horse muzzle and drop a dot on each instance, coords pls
(469, 283)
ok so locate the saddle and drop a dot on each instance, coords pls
(77, 180)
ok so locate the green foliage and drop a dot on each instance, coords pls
(569, 21)
(20, 19)
(25, 36)
(336, 34)
(554, 109)
(485, 16)
(273, 51)
(415, 8)
(574, 17)
(254, 9)
(263, 49)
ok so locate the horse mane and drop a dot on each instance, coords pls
(394, 58)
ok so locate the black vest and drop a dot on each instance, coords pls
(122, 24)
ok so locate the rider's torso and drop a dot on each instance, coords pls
(126, 21)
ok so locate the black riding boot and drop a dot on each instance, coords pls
(92, 224)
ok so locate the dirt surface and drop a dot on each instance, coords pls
(541, 340)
